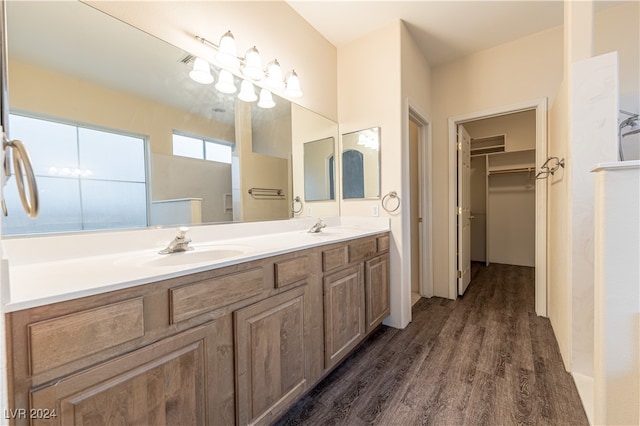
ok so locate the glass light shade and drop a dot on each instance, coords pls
(293, 86)
(252, 67)
(227, 55)
(201, 72)
(225, 82)
(274, 75)
(247, 92)
(266, 100)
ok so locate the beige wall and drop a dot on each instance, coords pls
(267, 24)
(363, 102)
(257, 171)
(524, 69)
(57, 95)
(175, 177)
(618, 29)
(394, 71)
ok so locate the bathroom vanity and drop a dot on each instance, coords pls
(231, 344)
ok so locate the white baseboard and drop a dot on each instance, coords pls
(585, 390)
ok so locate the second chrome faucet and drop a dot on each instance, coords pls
(317, 227)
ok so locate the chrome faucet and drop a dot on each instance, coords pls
(179, 243)
(317, 227)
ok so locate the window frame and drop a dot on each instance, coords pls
(91, 126)
(204, 140)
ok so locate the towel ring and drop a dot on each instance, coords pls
(293, 205)
(385, 201)
(22, 166)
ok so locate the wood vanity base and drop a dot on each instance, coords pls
(234, 345)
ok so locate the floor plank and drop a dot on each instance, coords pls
(484, 359)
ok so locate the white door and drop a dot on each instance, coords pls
(464, 209)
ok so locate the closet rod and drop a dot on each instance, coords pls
(515, 170)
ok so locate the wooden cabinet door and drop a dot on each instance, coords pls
(344, 318)
(377, 290)
(270, 356)
(171, 382)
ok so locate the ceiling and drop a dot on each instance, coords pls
(444, 30)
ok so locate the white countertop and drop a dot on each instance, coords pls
(617, 165)
(50, 269)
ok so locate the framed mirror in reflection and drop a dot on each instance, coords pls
(121, 137)
(319, 170)
(361, 164)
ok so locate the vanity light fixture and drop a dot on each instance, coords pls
(225, 82)
(201, 71)
(266, 100)
(293, 85)
(251, 66)
(227, 55)
(274, 75)
(247, 92)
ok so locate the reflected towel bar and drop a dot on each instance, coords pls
(266, 193)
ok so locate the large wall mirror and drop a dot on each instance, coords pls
(120, 135)
(361, 164)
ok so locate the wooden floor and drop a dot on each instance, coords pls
(485, 359)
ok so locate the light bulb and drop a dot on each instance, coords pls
(227, 55)
(293, 86)
(266, 100)
(225, 82)
(201, 71)
(252, 67)
(247, 92)
(274, 75)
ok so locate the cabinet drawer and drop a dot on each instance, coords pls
(291, 271)
(61, 340)
(383, 243)
(191, 300)
(361, 250)
(335, 258)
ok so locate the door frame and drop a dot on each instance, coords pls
(540, 106)
(414, 113)
(425, 205)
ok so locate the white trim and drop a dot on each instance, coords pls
(426, 210)
(541, 211)
(540, 106)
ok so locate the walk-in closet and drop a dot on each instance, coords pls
(502, 189)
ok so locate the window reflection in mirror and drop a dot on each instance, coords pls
(319, 176)
(85, 180)
(361, 164)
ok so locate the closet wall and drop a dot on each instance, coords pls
(503, 189)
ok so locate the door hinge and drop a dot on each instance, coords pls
(459, 145)
(419, 220)
(459, 274)
(459, 210)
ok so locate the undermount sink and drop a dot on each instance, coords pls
(202, 254)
